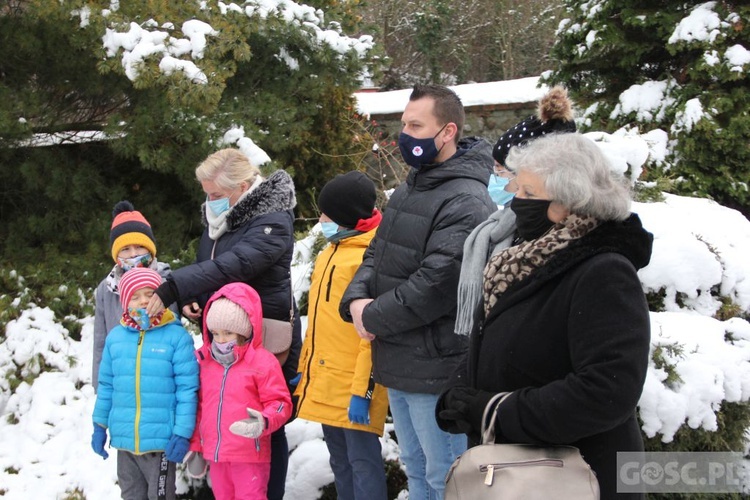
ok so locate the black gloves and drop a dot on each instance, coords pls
(459, 410)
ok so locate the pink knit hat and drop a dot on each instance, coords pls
(223, 314)
(135, 279)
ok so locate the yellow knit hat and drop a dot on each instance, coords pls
(130, 227)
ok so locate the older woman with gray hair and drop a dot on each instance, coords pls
(564, 325)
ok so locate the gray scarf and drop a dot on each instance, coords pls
(487, 239)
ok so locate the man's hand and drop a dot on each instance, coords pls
(356, 308)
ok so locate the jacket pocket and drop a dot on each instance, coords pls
(442, 341)
(431, 342)
(331, 386)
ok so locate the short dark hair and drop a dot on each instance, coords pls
(448, 106)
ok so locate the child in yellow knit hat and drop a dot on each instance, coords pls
(132, 245)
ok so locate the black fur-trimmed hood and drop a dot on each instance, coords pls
(275, 194)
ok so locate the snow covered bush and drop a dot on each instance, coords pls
(679, 67)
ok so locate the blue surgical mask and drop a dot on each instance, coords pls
(329, 229)
(497, 190)
(133, 262)
(418, 152)
(226, 347)
(219, 206)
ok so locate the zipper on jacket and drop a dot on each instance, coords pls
(330, 281)
(312, 331)
(218, 415)
(489, 469)
(136, 434)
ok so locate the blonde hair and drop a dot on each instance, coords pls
(228, 168)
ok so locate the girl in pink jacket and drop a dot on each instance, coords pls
(243, 397)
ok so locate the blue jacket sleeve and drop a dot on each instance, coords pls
(185, 368)
(104, 393)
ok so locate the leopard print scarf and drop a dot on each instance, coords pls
(517, 262)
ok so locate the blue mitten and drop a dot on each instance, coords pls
(359, 410)
(177, 448)
(98, 440)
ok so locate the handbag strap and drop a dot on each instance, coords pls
(291, 301)
(488, 433)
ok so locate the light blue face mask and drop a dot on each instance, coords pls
(219, 206)
(329, 229)
(497, 190)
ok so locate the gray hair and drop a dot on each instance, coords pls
(576, 174)
(228, 168)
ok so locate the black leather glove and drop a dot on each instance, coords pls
(459, 410)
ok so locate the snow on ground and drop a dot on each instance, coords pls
(45, 423)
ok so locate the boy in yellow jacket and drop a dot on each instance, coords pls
(336, 387)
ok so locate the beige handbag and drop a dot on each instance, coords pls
(519, 471)
(277, 334)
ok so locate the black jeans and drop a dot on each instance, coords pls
(279, 465)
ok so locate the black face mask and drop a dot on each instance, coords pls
(531, 217)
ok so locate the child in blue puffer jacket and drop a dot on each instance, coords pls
(148, 392)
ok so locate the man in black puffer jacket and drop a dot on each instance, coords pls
(403, 297)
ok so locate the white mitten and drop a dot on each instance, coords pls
(251, 427)
(196, 464)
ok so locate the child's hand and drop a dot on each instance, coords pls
(177, 448)
(251, 427)
(196, 464)
(98, 440)
(359, 410)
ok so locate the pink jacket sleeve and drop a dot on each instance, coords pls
(274, 394)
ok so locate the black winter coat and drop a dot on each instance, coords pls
(411, 269)
(571, 341)
(256, 249)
